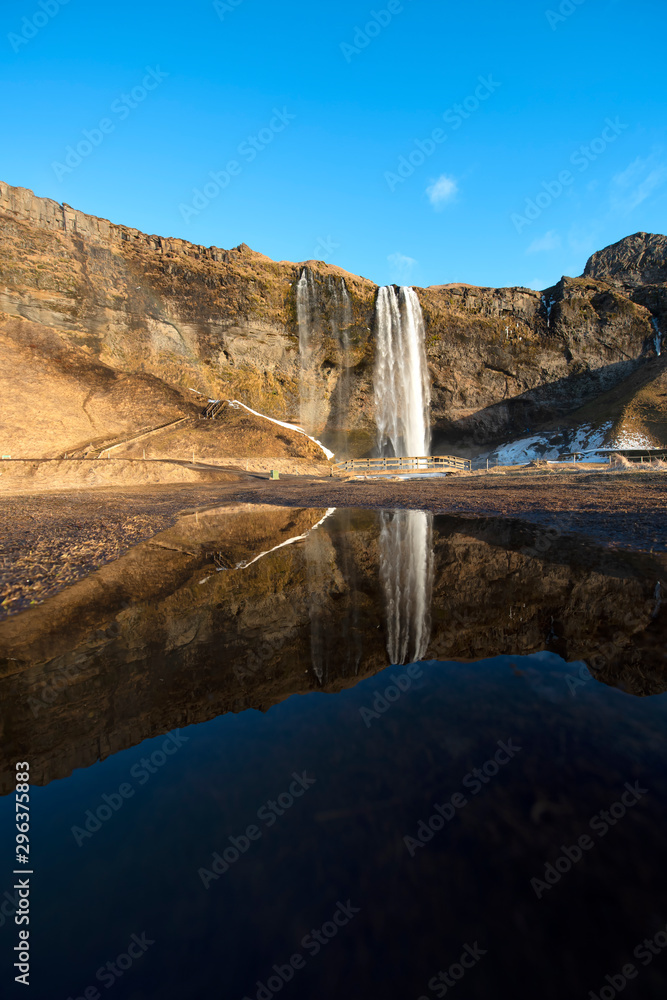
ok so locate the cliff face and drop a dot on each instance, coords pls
(105, 330)
(636, 268)
(510, 361)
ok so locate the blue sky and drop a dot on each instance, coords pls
(305, 112)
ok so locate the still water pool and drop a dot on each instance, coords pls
(237, 795)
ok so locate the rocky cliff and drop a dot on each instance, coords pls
(105, 332)
(637, 260)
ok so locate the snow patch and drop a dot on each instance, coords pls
(626, 442)
(586, 440)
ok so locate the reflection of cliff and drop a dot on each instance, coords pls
(172, 633)
(505, 587)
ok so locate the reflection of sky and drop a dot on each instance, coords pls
(343, 839)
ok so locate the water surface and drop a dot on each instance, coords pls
(310, 789)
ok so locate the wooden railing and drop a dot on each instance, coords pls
(640, 455)
(214, 408)
(401, 466)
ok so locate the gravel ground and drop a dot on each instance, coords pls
(50, 541)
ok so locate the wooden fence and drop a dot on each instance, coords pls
(640, 455)
(214, 408)
(400, 466)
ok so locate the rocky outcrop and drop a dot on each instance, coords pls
(636, 260)
(105, 330)
(637, 268)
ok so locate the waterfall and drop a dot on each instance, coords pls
(657, 339)
(341, 318)
(346, 307)
(402, 397)
(340, 310)
(401, 384)
(406, 573)
(306, 306)
(324, 313)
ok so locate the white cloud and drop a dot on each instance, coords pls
(401, 267)
(442, 192)
(636, 183)
(550, 241)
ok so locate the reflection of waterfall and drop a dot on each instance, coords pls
(406, 573)
(331, 573)
(402, 387)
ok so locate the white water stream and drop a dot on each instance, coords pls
(401, 385)
(402, 392)
(306, 301)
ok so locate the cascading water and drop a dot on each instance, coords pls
(306, 305)
(402, 398)
(401, 386)
(657, 339)
(323, 312)
(341, 317)
(406, 572)
(346, 306)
